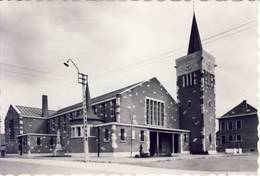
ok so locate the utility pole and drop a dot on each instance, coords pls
(83, 80)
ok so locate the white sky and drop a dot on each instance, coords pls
(117, 44)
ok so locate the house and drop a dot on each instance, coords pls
(238, 129)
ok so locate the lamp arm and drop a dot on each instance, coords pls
(73, 64)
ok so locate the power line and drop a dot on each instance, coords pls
(150, 60)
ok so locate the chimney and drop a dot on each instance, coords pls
(45, 106)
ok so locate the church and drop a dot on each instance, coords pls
(143, 115)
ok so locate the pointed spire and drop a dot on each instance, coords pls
(195, 42)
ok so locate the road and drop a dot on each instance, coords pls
(190, 164)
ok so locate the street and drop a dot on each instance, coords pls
(190, 164)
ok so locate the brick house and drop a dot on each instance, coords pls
(143, 115)
(238, 129)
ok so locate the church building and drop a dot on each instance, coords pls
(142, 116)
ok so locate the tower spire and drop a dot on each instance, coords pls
(195, 42)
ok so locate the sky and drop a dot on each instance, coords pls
(118, 43)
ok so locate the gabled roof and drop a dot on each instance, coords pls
(95, 100)
(195, 42)
(26, 111)
(242, 109)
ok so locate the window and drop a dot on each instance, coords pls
(154, 112)
(223, 139)
(210, 138)
(189, 103)
(239, 137)
(147, 111)
(230, 125)
(142, 136)
(51, 141)
(77, 131)
(38, 141)
(210, 103)
(11, 127)
(238, 124)
(122, 136)
(106, 139)
(222, 126)
(230, 138)
(133, 134)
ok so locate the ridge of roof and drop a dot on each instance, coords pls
(242, 108)
(99, 98)
(31, 111)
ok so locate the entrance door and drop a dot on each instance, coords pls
(153, 143)
(176, 143)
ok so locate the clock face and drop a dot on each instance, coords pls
(188, 67)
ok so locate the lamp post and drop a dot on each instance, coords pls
(83, 80)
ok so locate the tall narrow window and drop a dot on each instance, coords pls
(151, 111)
(159, 113)
(51, 141)
(187, 80)
(106, 139)
(122, 136)
(223, 139)
(222, 126)
(238, 125)
(230, 125)
(38, 141)
(183, 81)
(147, 112)
(142, 136)
(78, 130)
(162, 114)
(155, 112)
(191, 80)
(210, 138)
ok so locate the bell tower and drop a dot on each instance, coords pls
(196, 94)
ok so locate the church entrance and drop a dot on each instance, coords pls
(163, 143)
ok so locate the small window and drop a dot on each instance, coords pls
(38, 141)
(189, 103)
(51, 141)
(122, 136)
(209, 103)
(142, 136)
(230, 125)
(238, 125)
(106, 139)
(210, 138)
(230, 138)
(239, 137)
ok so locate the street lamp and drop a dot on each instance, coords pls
(83, 80)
